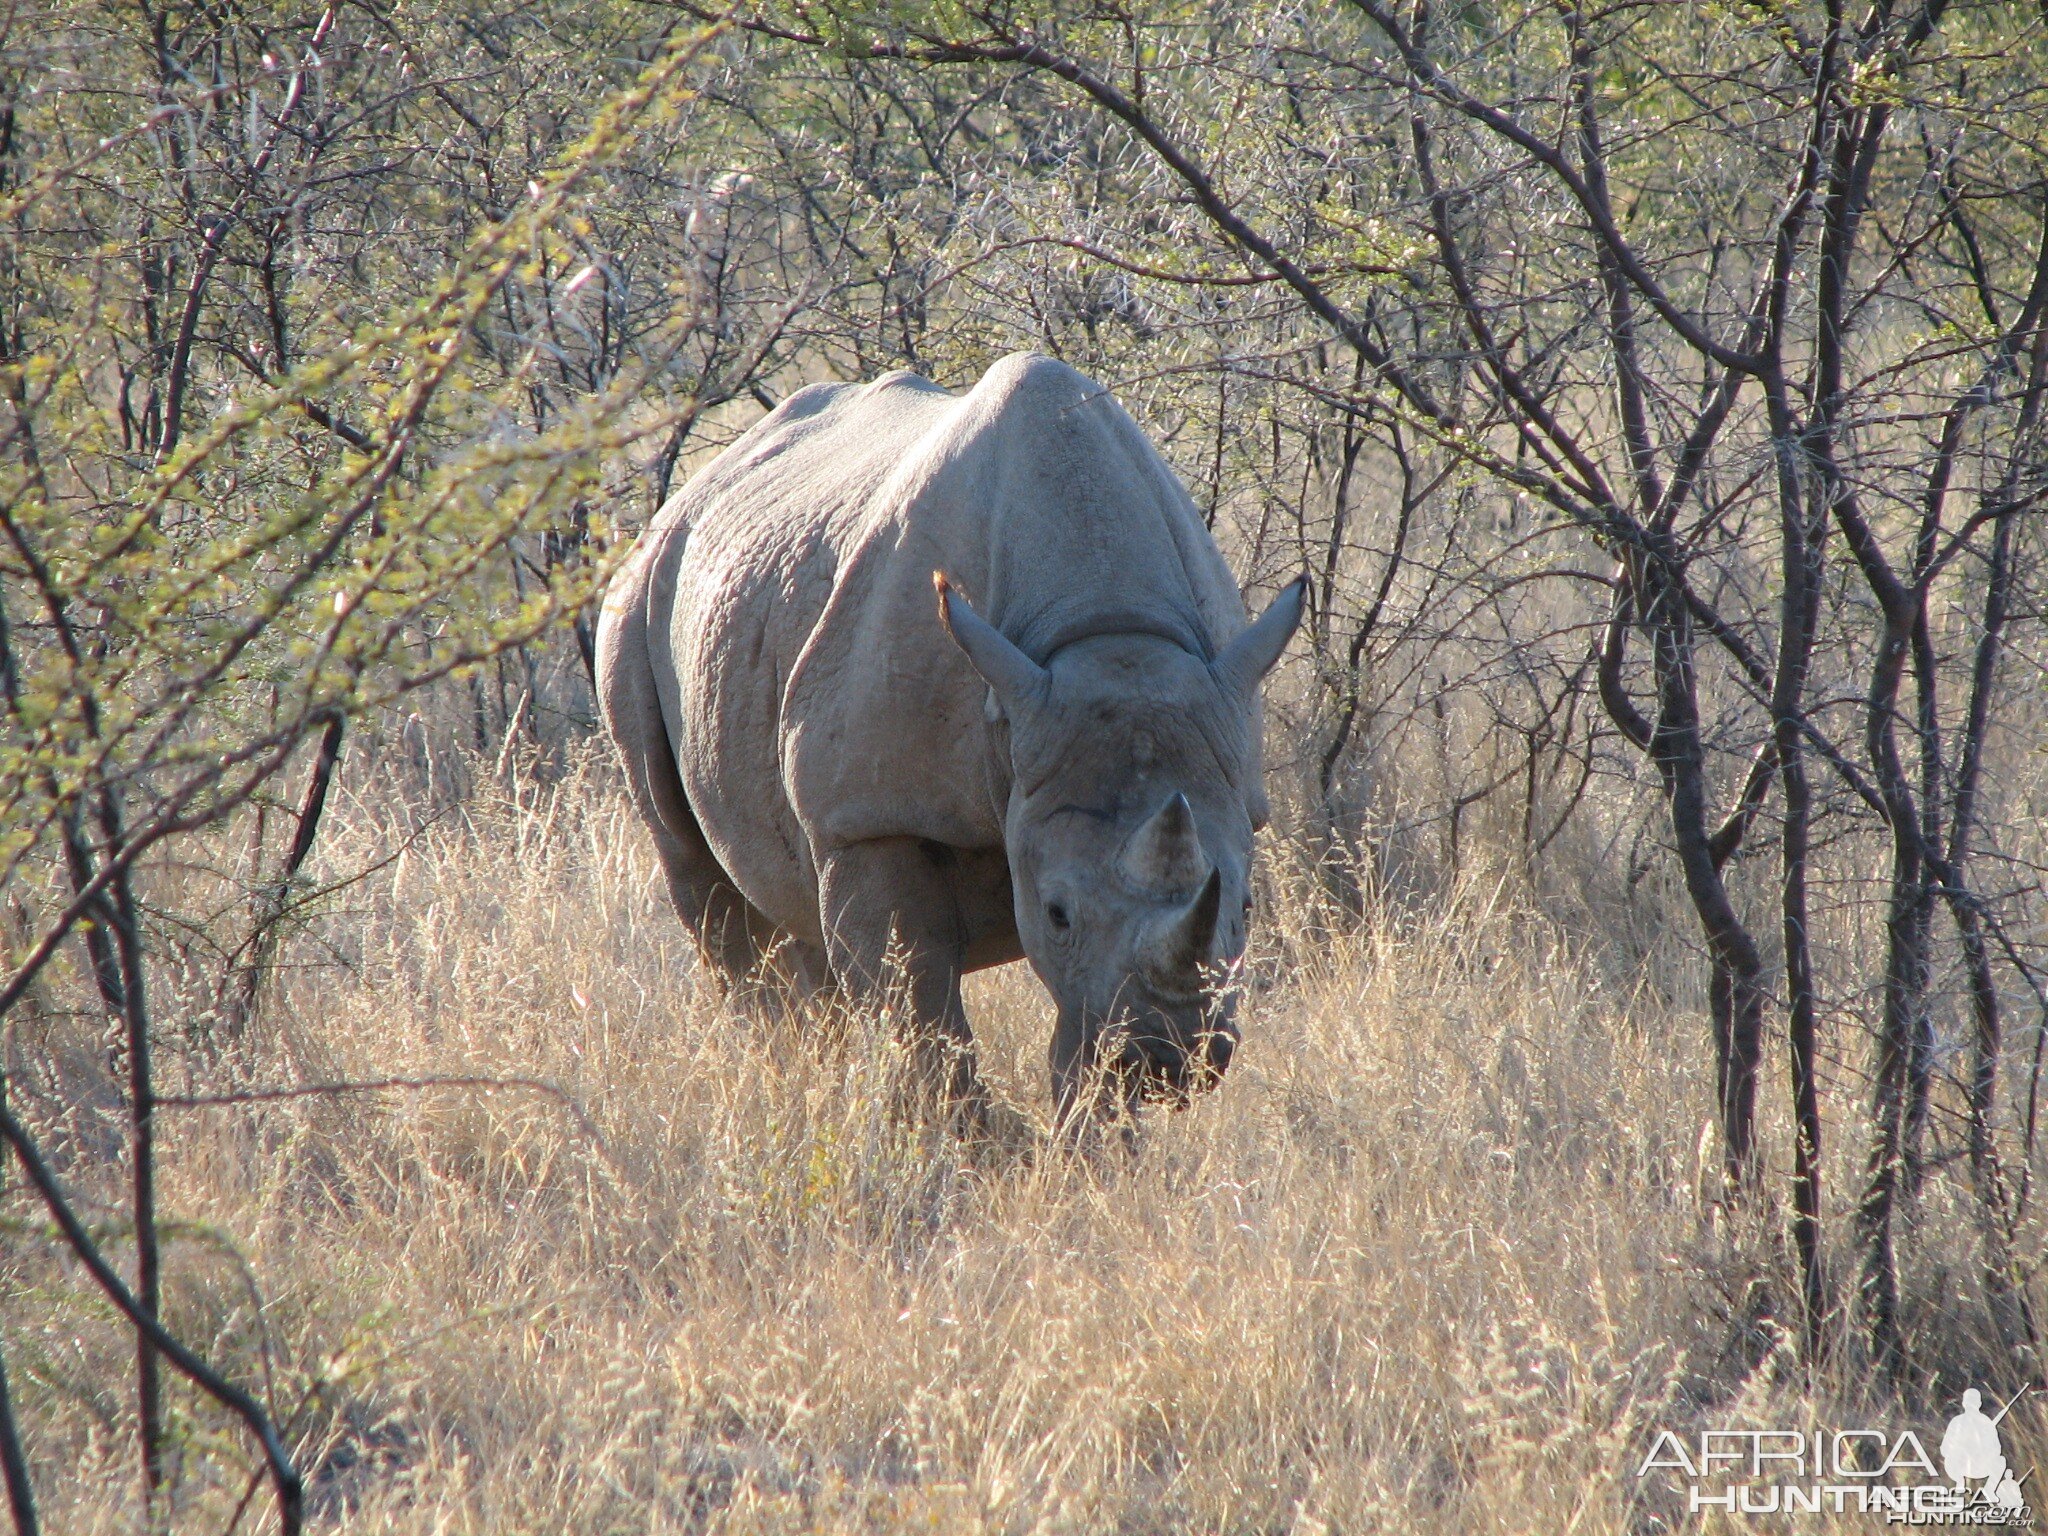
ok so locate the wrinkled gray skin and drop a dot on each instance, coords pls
(835, 787)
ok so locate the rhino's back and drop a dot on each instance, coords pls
(1074, 524)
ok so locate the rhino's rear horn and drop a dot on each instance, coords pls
(1165, 854)
(1179, 947)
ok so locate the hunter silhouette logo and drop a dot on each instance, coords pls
(1868, 1471)
(1971, 1452)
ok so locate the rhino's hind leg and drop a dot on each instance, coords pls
(892, 919)
(738, 944)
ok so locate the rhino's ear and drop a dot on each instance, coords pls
(1014, 678)
(1251, 655)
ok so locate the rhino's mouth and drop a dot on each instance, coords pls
(1161, 1070)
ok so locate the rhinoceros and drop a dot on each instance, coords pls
(909, 683)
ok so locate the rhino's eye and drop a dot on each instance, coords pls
(1057, 916)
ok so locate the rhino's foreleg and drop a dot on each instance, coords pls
(893, 927)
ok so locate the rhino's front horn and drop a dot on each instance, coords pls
(1175, 952)
(1165, 854)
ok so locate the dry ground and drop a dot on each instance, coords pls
(1437, 1257)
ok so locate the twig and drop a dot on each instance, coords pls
(21, 1498)
(21, 1493)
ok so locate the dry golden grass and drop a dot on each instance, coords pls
(1436, 1257)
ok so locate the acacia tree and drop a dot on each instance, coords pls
(231, 522)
